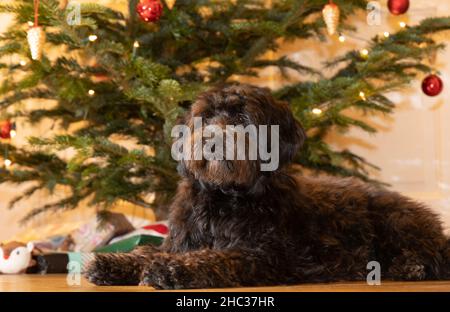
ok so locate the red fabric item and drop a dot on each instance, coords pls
(160, 228)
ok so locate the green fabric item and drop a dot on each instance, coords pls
(130, 243)
(78, 261)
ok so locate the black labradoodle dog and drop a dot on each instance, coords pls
(232, 224)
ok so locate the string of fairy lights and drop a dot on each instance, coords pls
(364, 53)
(151, 11)
(432, 84)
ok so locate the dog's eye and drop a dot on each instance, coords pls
(18, 252)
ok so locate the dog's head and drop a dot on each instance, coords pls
(239, 107)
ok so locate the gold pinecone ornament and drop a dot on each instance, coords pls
(170, 4)
(331, 14)
(36, 39)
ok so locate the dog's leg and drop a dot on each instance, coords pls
(410, 238)
(407, 267)
(208, 269)
(119, 268)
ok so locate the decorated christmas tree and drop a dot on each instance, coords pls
(115, 77)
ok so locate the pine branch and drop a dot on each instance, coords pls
(110, 88)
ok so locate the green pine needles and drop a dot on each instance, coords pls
(136, 79)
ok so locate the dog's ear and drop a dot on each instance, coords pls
(292, 136)
(271, 111)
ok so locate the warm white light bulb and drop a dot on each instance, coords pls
(12, 133)
(364, 52)
(136, 44)
(386, 34)
(30, 23)
(316, 111)
(7, 162)
(23, 63)
(342, 38)
(362, 95)
(402, 24)
(91, 92)
(92, 38)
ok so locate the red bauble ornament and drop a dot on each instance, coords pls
(432, 85)
(5, 129)
(398, 7)
(149, 10)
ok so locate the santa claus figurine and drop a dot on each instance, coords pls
(15, 257)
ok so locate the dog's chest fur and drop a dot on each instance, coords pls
(282, 212)
(223, 220)
(220, 219)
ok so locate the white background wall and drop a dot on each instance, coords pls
(412, 146)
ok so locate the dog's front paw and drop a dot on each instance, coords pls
(171, 274)
(158, 275)
(113, 269)
(98, 271)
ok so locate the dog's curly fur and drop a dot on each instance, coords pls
(234, 225)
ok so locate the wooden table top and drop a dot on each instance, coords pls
(58, 283)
